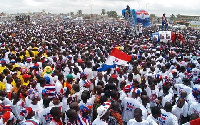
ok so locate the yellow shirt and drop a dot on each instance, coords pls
(13, 52)
(27, 54)
(15, 65)
(2, 68)
(35, 53)
(45, 55)
(25, 83)
(13, 83)
(2, 86)
(18, 73)
(20, 77)
(21, 57)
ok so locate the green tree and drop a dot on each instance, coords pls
(79, 12)
(152, 17)
(178, 16)
(71, 13)
(172, 17)
(112, 14)
(108, 13)
(103, 12)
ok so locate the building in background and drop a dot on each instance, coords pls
(187, 18)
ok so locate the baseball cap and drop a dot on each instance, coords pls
(70, 76)
(26, 76)
(101, 111)
(174, 70)
(2, 61)
(7, 116)
(12, 61)
(80, 61)
(113, 76)
(48, 69)
(128, 88)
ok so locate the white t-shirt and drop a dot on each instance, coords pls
(181, 75)
(45, 116)
(129, 105)
(185, 109)
(177, 112)
(17, 108)
(55, 78)
(134, 122)
(8, 87)
(152, 120)
(77, 76)
(190, 99)
(137, 77)
(90, 101)
(97, 80)
(145, 110)
(66, 72)
(1, 121)
(153, 95)
(31, 121)
(177, 80)
(36, 108)
(167, 98)
(182, 87)
(89, 72)
(51, 78)
(167, 118)
(98, 121)
(28, 101)
(195, 72)
(39, 89)
(65, 106)
(7, 101)
(120, 80)
(78, 94)
(58, 86)
(194, 108)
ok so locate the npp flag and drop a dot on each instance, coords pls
(116, 57)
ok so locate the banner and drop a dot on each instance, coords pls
(165, 36)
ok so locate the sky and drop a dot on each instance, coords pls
(158, 7)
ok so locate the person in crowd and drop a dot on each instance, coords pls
(115, 112)
(153, 117)
(29, 117)
(102, 117)
(137, 118)
(129, 105)
(56, 116)
(167, 117)
(72, 117)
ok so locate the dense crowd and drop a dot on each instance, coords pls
(49, 75)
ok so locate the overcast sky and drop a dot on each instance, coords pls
(158, 7)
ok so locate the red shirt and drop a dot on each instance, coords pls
(195, 122)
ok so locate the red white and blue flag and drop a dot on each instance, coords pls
(117, 57)
(142, 14)
(50, 90)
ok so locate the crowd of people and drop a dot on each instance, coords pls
(49, 75)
